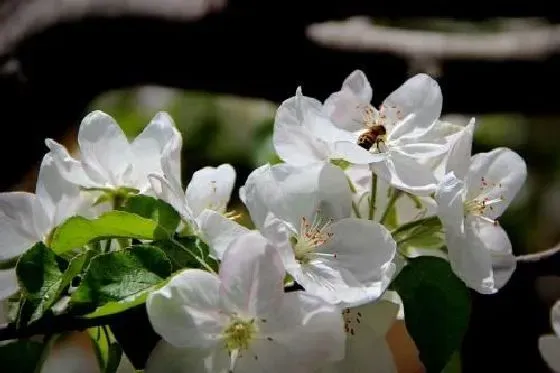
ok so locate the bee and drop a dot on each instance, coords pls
(372, 136)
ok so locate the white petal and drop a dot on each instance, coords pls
(482, 258)
(450, 204)
(171, 162)
(218, 231)
(498, 174)
(555, 318)
(293, 141)
(70, 356)
(459, 157)
(210, 188)
(549, 345)
(104, 148)
(419, 95)
(423, 151)
(147, 148)
(186, 311)
(8, 284)
(363, 247)
(58, 198)
(355, 154)
(292, 193)
(168, 192)
(68, 167)
(404, 173)
(304, 332)
(278, 234)
(252, 276)
(166, 358)
(346, 107)
(17, 223)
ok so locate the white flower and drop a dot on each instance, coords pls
(204, 202)
(367, 349)
(27, 218)
(304, 135)
(406, 115)
(479, 249)
(108, 160)
(549, 344)
(241, 320)
(305, 212)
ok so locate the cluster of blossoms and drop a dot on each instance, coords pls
(359, 192)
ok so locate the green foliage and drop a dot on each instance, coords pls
(437, 309)
(20, 356)
(181, 251)
(155, 209)
(423, 233)
(78, 231)
(40, 277)
(107, 349)
(122, 276)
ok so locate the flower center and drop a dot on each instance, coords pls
(484, 202)
(239, 334)
(351, 320)
(312, 234)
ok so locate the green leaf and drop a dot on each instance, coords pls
(39, 275)
(151, 208)
(78, 231)
(437, 309)
(122, 276)
(179, 252)
(20, 356)
(423, 233)
(107, 349)
(454, 364)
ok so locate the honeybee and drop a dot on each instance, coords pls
(372, 120)
(372, 136)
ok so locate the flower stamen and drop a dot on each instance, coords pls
(311, 235)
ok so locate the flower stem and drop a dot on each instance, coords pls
(195, 257)
(372, 196)
(395, 194)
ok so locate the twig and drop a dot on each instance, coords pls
(360, 34)
(538, 256)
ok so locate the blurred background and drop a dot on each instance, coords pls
(220, 69)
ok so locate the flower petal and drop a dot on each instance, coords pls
(355, 154)
(293, 141)
(303, 332)
(105, 151)
(482, 258)
(459, 157)
(450, 204)
(8, 285)
(218, 231)
(168, 192)
(555, 318)
(147, 148)
(419, 95)
(346, 107)
(252, 276)
(166, 358)
(58, 199)
(363, 247)
(549, 346)
(498, 174)
(210, 188)
(405, 173)
(68, 167)
(186, 311)
(17, 223)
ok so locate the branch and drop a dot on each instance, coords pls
(539, 256)
(360, 34)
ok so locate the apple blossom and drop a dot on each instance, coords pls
(108, 161)
(479, 249)
(27, 218)
(203, 204)
(305, 212)
(549, 345)
(241, 320)
(406, 115)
